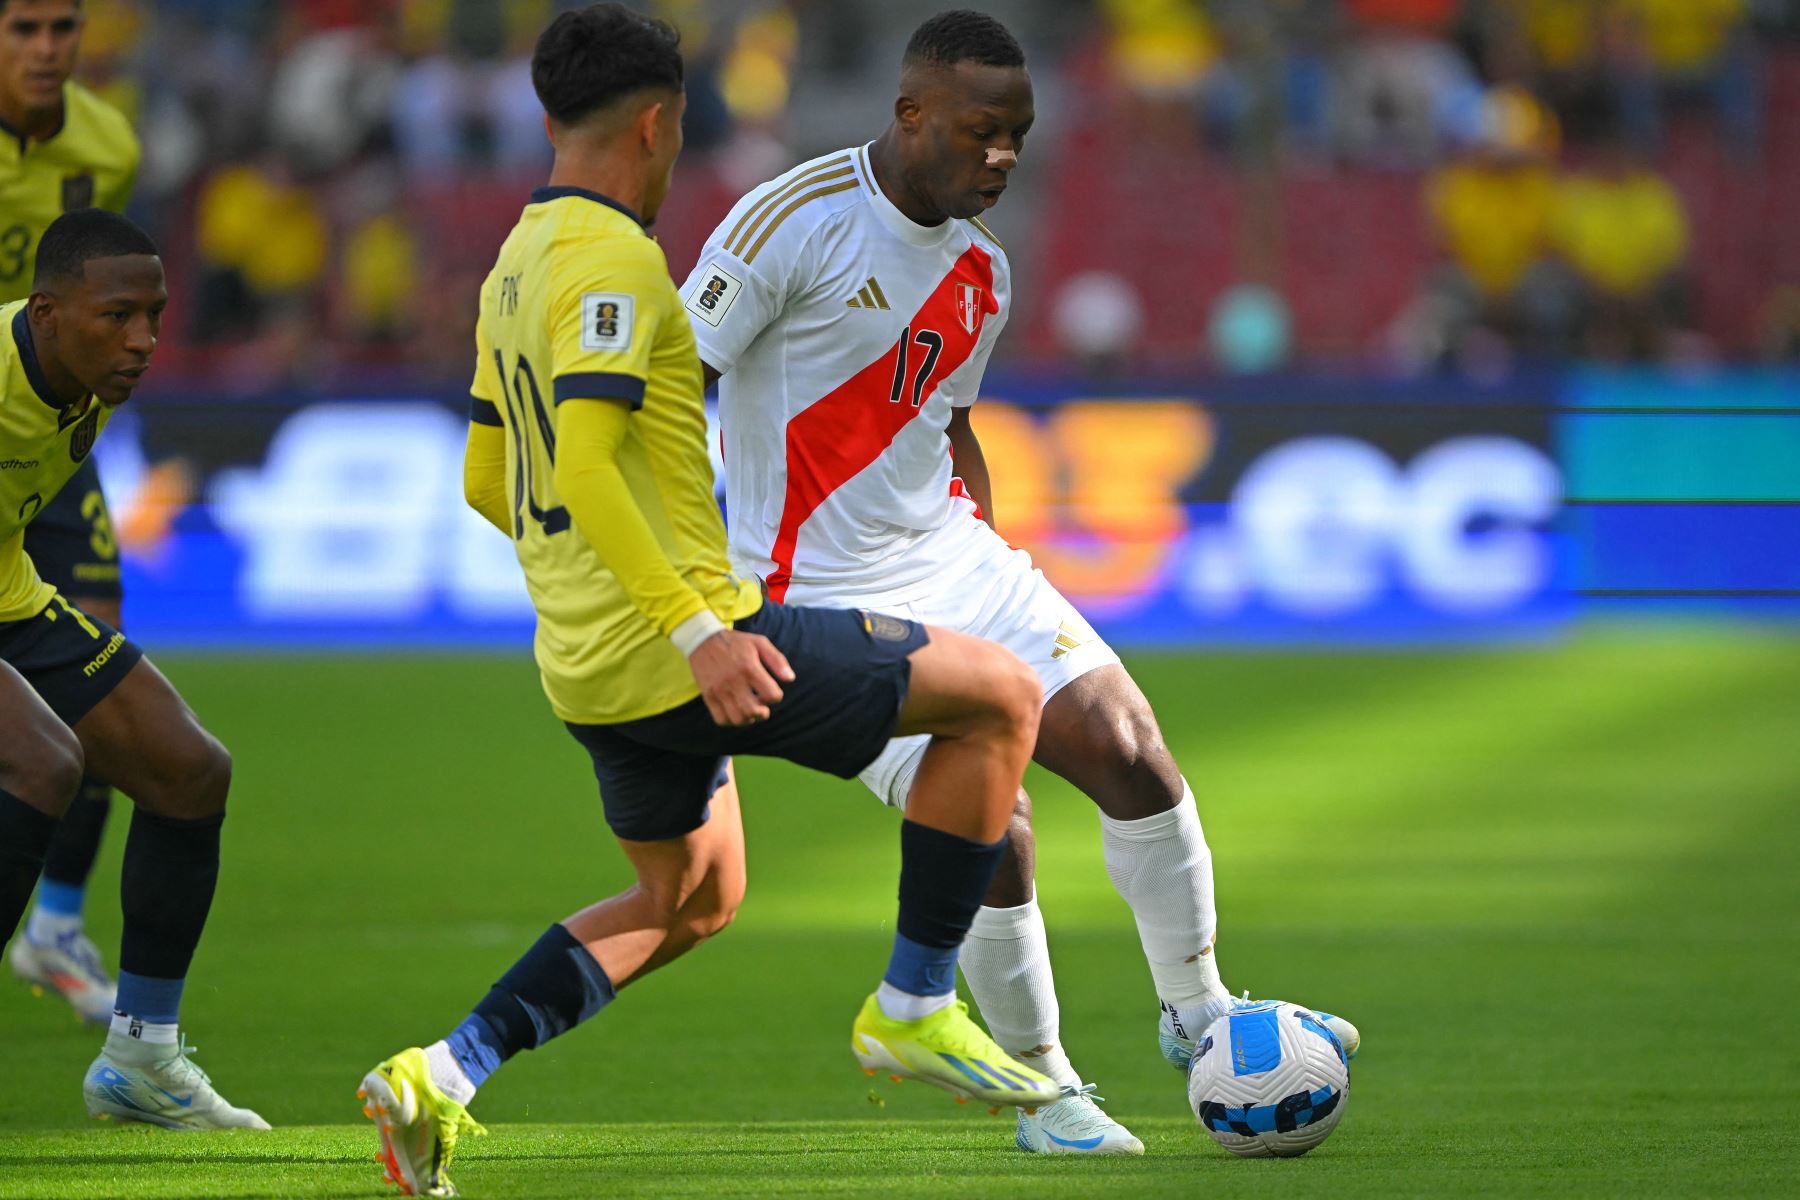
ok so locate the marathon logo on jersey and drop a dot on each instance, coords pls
(606, 321)
(968, 306)
(716, 294)
(77, 192)
(82, 440)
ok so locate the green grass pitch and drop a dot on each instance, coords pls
(1558, 888)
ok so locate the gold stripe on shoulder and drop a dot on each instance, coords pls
(978, 223)
(784, 214)
(862, 153)
(749, 221)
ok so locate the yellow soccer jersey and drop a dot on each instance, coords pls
(580, 306)
(88, 163)
(41, 444)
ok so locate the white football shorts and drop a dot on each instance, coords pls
(1002, 598)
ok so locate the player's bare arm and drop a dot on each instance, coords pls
(971, 463)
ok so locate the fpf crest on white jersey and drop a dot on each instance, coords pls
(845, 334)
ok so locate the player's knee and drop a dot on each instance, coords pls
(708, 921)
(194, 779)
(47, 772)
(710, 910)
(1015, 694)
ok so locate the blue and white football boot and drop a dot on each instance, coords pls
(1178, 1047)
(158, 1085)
(1075, 1124)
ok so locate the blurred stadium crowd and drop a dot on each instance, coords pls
(1240, 185)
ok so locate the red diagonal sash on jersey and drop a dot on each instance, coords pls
(835, 438)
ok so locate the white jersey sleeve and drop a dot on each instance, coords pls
(758, 260)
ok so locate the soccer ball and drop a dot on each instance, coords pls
(1269, 1078)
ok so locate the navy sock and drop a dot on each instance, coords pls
(24, 837)
(72, 851)
(942, 880)
(155, 1001)
(556, 986)
(477, 1048)
(166, 890)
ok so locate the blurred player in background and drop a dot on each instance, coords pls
(70, 354)
(851, 306)
(64, 148)
(587, 447)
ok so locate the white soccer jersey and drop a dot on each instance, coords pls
(845, 334)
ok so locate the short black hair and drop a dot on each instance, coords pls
(588, 58)
(963, 35)
(87, 233)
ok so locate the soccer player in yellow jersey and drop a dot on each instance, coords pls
(69, 356)
(61, 148)
(588, 448)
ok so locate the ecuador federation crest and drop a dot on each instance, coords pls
(82, 440)
(968, 306)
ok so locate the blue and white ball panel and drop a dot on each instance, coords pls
(1268, 1078)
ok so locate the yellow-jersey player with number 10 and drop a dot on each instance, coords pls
(62, 148)
(587, 447)
(580, 305)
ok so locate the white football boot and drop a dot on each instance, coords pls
(69, 965)
(158, 1084)
(1075, 1124)
(1178, 1047)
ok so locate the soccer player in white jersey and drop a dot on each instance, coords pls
(850, 307)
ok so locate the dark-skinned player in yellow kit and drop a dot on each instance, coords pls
(61, 148)
(70, 354)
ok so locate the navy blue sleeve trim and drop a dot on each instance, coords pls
(600, 385)
(483, 412)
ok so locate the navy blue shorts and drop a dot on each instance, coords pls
(850, 679)
(71, 658)
(71, 542)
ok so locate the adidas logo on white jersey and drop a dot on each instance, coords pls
(869, 297)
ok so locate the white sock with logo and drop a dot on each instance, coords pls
(1162, 867)
(1006, 960)
(149, 1033)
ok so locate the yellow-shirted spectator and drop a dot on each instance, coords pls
(1160, 47)
(1622, 229)
(1563, 34)
(381, 276)
(1685, 37)
(1492, 210)
(271, 233)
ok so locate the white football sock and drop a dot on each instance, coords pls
(447, 1074)
(897, 1005)
(44, 928)
(1162, 867)
(1006, 959)
(148, 1032)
